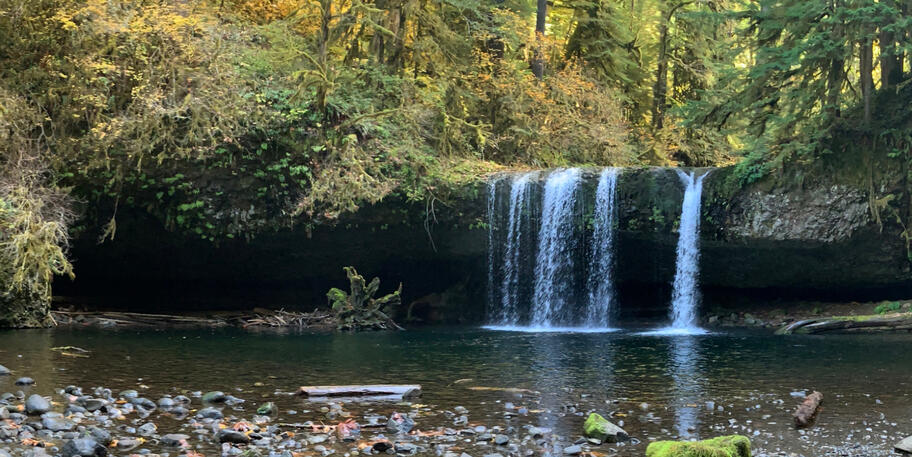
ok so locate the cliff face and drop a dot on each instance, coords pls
(825, 235)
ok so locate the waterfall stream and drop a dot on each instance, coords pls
(554, 264)
(601, 274)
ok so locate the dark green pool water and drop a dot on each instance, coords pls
(866, 380)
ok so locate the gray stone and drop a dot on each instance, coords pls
(147, 429)
(174, 439)
(101, 435)
(36, 405)
(501, 440)
(210, 413)
(904, 446)
(400, 423)
(129, 394)
(573, 450)
(214, 397)
(232, 436)
(93, 404)
(406, 448)
(83, 447)
(57, 424)
(25, 381)
(4, 371)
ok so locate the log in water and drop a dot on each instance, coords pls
(401, 391)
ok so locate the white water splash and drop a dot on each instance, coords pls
(555, 240)
(512, 251)
(601, 274)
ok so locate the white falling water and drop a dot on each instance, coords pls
(686, 295)
(555, 241)
(601, 274)
(512, 261)
(491, 219)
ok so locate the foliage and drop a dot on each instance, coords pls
(888, 307)
(359, 310)
(34, 216)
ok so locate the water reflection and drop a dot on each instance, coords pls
(684, 368)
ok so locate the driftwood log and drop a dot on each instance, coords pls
(807, 410)
(850, 324)
(383, 391)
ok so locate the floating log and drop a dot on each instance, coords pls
(807, 410)
(385, 391)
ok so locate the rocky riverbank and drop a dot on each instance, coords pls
(895, 316)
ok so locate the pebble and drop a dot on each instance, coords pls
(36, 405)
(25, 381)
(573, 450)
(4, 371)
(501, 440)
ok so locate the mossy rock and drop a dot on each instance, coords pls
(723, 446)
(599, 428)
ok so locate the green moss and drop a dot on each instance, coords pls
(723, 446)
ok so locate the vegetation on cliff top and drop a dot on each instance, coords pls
(225, 118)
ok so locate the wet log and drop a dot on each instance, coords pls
(392, 391)
(807, 410)
(850, 324)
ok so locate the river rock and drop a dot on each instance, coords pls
(143, 403)
(232, 436)
(599, 428)
(129, 394)
(25, 381)
(266, 409)
(101, 435)
(904, 446)
(501, 440)
(93, 404)
(83, 447)
(214, 397)
(732, 445)
(174, 439)
(400, 423)
(147, 429)
(209, 413)
(576, 449)
(166, 403)
(36, 405)
(4, 371)
(57, 424)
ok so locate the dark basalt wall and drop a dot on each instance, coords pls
(813, 238)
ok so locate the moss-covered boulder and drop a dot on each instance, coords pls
(599, 428)
(723, 446)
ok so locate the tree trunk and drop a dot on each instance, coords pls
(835, 74)
(538, 61)
(323, 51)
(867, 77)
(890, 61)
(660, 90)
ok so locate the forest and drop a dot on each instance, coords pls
(312, 109)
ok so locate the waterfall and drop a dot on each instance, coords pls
(492, 248)
(601, 274)
(686, 296)
(512, 258)
(554, 261)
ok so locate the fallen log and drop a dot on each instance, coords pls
(807, 410)
(391, 391)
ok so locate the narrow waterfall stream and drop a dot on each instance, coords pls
(512, 259)
(601, 274)
(685, 297)
(554, 264)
